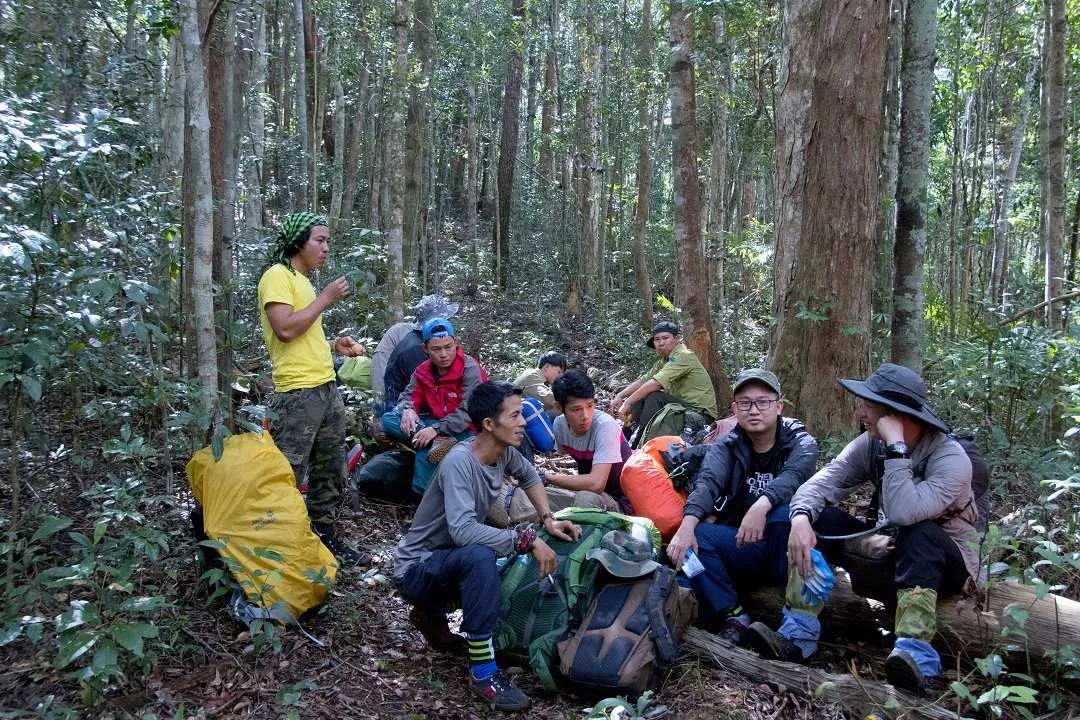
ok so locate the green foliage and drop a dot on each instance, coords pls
(619, 708)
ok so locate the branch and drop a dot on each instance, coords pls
(1033, 308)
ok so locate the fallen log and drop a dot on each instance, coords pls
(1011, 619)
(858, 696)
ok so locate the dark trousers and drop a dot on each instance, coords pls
(925, 556)
(643, 411)
(764, 563)
(464, 577)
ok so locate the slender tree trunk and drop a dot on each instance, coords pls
(549, 100)
(693, 295)
(301, 182)
(395, 164)
(509, 144)
(828, 141)
(999, 260)
(230, 160)
(884, 264)
(1055, 95)
(337, 174)
(256, 119)
(472, 148)
(172, 119)
(197, 175)
(591, 173)
(644, 170)
(415, 127)
(917, 88)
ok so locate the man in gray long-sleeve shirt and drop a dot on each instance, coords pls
(923, 489)
(448, 555)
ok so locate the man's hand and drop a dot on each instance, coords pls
(682, 541)
(546, 559)
(890, 429)
(335, 291)
(424, 437)
(616, 404)
(801, 541)
(562, 529)
(623, 413)
(409, 420)
(347, 347)
(752, 527)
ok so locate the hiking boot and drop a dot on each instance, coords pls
(502, 695)
(903, 672)
(770, 644)
(344, 554)
(439, 447)
(432, 625)
(733, 629)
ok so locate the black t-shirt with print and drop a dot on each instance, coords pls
(762, 469)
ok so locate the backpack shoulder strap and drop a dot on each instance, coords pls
(655, 598)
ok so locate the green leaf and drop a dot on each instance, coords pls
(74, 645)
(1021, 694)
(79, 612)
(962, 691)
(105, 657)
(131, 635)
(32, 386)
(100, 528)
(268, 554)
(49, 527)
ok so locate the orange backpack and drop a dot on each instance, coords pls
(647, 486)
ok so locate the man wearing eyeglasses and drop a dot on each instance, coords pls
(741, 492)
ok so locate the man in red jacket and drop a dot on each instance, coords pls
(430, 413)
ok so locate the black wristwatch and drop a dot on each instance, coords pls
(897, 450)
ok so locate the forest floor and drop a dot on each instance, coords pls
(373, 663)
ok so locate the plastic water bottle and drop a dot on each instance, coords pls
(692, 566)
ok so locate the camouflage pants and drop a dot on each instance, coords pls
(309, 429)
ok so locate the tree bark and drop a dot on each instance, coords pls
(644, 170)
(197, 175)
(917, 91)
(828, 141)
(1055, 161)
(394, 165)
(357, 123)
(415, 127)
(256, 125)
(301, 182)
(884, 263)
(172, 118)
(591, 173)
(508, 145)
(693, 293)
(549, 96)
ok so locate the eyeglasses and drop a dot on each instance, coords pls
(760, 403)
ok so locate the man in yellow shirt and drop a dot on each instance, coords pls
(308, 416)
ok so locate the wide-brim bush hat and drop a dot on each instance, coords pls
(662, 326)
(623, 555)
(433, 306)
(900, 389)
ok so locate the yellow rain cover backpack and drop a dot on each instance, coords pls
(259, 525)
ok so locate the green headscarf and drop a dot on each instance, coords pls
(292, 227)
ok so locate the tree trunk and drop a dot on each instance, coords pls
(591, 174)
(508, 145)
(917, 91)
(693, 291)
(415, 127)
(718, 161)
(394, 164)
(230, 160)
(337, 174)
(551, 91)
(471, 165)
(197, 175)
(1055, 160)
(301, 181)
(884, 265)
(644, 170)
(1000, 258)
(828, 141)
(256, 123)
(172, 119)
(355, 146)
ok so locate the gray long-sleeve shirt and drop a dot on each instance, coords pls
(454, 506)
(943, 489)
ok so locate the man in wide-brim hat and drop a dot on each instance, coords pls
(923, 490)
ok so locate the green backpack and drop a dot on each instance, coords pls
(537, 612)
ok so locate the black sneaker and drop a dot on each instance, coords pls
(903, 672)
(502, 695)
(770, 644)
(344, 554)
(432, 625)
(733, 629)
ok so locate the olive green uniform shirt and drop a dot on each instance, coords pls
(532, 384)
(683, 375)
